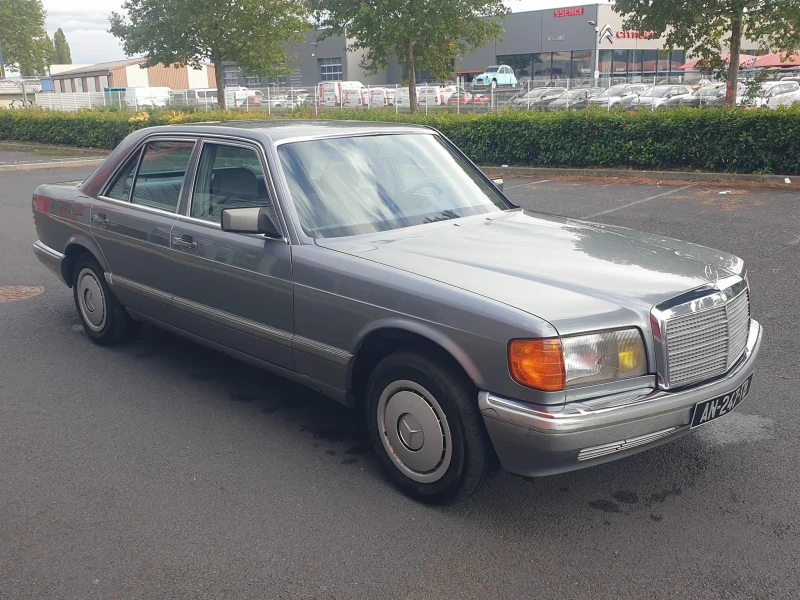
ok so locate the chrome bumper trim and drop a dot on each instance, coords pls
(636, 405)
(606, 449)
(52, 259)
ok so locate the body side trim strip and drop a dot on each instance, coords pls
(323, 351)
(270, 334)
(221, 317)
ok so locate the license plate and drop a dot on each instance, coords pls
(708, 410)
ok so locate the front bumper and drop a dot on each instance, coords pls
(533, 441)
(52, 259)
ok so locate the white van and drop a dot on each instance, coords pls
(427, 95)
(332, 93)
(205, 96)
(381, 97)
(147, 96)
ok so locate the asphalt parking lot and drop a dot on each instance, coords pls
(163, 470)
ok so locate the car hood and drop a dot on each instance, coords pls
(575, 275)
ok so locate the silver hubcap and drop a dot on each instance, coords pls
(91, 301)
(415, 433)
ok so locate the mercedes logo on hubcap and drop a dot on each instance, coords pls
(88, 299)
(410, 432)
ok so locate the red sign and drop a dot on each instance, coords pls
(568, 12)
(635, 35)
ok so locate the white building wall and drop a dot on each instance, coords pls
(137, 77)
(198, 78)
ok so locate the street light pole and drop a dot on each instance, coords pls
(596, 60)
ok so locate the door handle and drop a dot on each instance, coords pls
(185, 242)
(100, 219)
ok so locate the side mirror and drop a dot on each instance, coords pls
(250, 220)
(498, 183)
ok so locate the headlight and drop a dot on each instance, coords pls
(553, 364)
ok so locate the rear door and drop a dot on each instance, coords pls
(131, 222)
(231, 288)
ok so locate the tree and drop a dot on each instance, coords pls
(62, 54)
(23, 39)
(250, 33)
(702, 26)
(419, 34)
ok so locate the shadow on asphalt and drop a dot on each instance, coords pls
(636, 486)
(323, 419)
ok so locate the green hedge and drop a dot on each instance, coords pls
(721, 140)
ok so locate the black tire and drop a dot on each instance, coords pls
(472, 460)
(104, 319)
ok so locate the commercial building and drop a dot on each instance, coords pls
(129, 73)
(578, 42)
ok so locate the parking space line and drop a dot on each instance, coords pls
(511, 187)
(643, 200)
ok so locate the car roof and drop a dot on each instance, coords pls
(279, 130)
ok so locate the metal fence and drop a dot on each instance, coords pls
(449, 96)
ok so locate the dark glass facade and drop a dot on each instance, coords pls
(643, 63)
(555, 65)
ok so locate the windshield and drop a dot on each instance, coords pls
(535, 93)
(657, 92)
(356, 185)
(612, 92)
(708, 90)
(572, 94)
(492, 69)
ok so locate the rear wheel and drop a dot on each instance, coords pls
(426, 428)
(104, 319)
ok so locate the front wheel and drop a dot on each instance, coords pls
(426, 428)
(494, 83)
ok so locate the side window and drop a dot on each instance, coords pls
(161, 172)
(121, 188)
(227, 177)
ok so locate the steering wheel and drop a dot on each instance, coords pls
(423, 185)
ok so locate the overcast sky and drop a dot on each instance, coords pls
(85, 23)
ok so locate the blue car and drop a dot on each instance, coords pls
(496, 75)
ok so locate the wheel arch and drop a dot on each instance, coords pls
(77, 245)
(386, 337)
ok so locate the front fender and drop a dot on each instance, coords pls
(433, 334)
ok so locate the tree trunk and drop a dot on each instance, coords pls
(411, 77)
(216, 58)
(733, 65)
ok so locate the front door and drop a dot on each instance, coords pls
(233, 289)
(131, 222)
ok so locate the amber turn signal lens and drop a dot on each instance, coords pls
(538, 364)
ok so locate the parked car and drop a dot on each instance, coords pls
(759, 100)
(576, 99)
(615, 96)
(774, 93)
(462, 97)
(377, 265)
(542, 95)
(787, 99)
(496, 76)
(656, 97)
(698, 98)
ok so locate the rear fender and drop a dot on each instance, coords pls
(77, 243)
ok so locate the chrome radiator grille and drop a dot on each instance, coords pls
(705, 344)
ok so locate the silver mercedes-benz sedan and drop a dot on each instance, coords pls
(376, 264)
